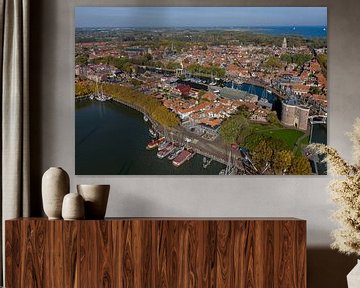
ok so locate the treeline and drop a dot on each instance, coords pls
(264, 150)
(81, 59)
(183, 40)
(210, 70)
(235, 128)
(297, 58)
(128, 64)
(322, 58)
(150, 105)
(273, 62)
(84, 88)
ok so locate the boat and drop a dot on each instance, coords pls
(153, 134)
(166, 151)
(269, 91)
(155, 143)
(175, 153)
(146, 119)
(182, 157)
(163, 145)
(99, 95)
(206, 162)
(102, 98)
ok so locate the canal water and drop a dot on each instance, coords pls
(111, 139)
(253, 89)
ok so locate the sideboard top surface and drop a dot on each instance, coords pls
(175, 219)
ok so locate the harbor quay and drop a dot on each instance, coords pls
(216, 149)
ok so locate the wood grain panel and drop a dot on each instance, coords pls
(268, 253)
(224, 257)
(301, 258)
(169, 253)
(70, 247)
(55, 255)
(96, 254)
(12, 252)
(33, 254)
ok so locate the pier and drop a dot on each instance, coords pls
(215, 150)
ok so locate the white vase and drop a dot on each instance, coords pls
(73, 207)
(353, 278)
(55, 185)
(95, 197)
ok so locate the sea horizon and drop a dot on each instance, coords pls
(199, 27)
(307, 31)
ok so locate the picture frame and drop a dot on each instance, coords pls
(234, 97)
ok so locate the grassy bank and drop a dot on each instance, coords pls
(150, 105)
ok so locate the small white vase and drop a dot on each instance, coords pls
(353, 278)
(96, 198)
(73, 207)
(55, 185)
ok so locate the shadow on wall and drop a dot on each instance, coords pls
(328, 268)
(35, 86)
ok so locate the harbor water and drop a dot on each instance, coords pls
(111, 139)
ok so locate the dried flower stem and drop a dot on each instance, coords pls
(345, 191)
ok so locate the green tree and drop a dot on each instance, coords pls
(281, 161)
(300, 166)
(272, 62)
(81, 59)
(322, 58)
(136, 82)
(272, 118)
(233, 128)
(144, 102)
(314, 90)
(173, 65)
(262, 154)
(297, 58)
(209, 70)
(84, 88)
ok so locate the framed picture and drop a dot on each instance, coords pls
(200, 90)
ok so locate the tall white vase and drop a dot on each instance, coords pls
(55, 185)
(353, 278)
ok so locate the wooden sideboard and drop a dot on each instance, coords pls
(156, 252)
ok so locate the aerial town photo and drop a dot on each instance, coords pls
(200, 90)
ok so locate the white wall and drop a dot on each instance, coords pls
(53, 129)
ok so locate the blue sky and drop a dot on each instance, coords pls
(199, 16)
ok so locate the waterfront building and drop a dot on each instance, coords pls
(295, 115)
(179, 72)
(300, 89)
